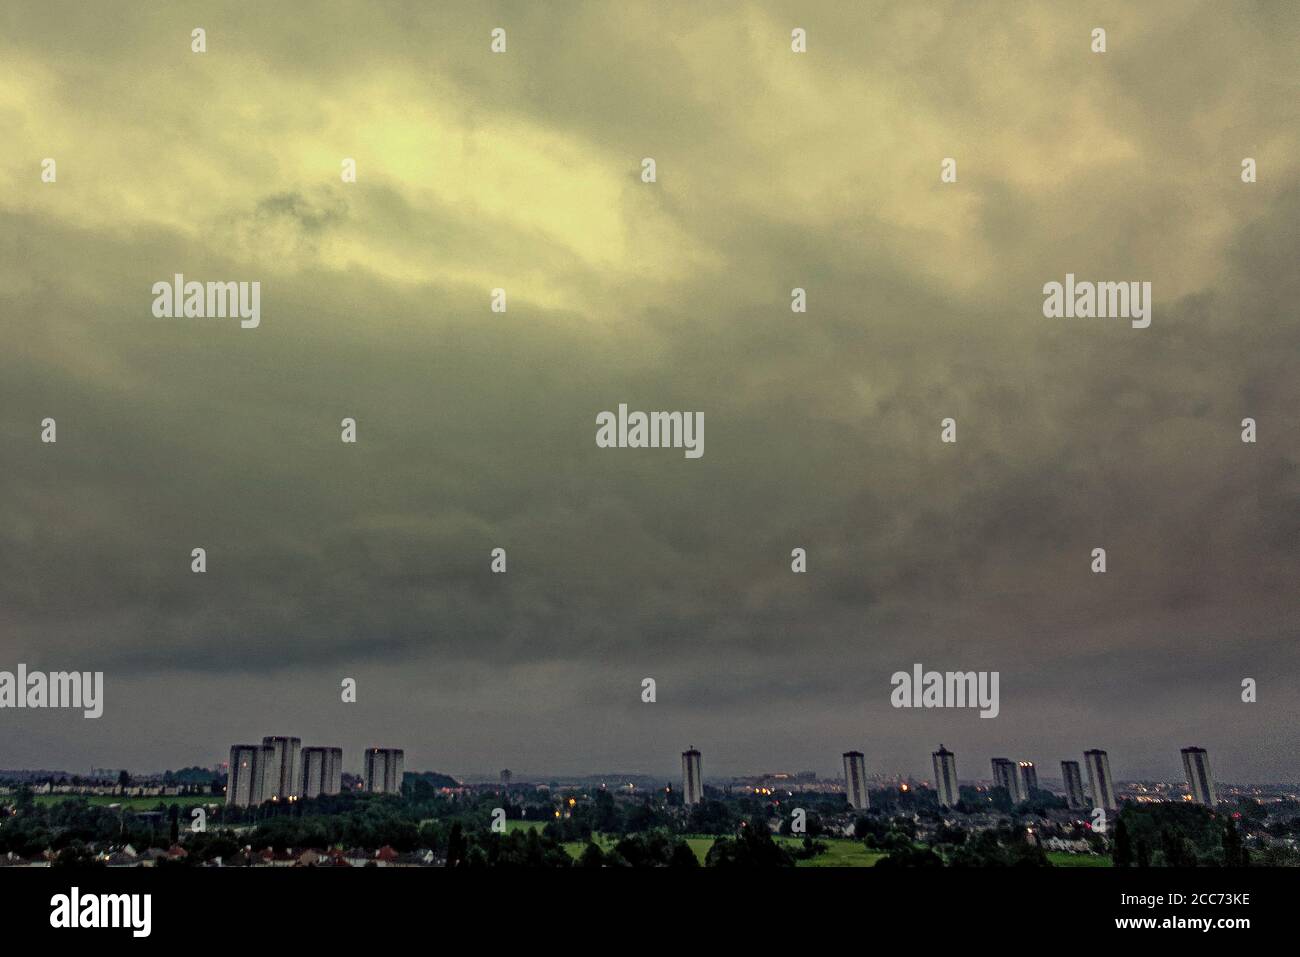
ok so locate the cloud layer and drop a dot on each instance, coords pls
(476, 429)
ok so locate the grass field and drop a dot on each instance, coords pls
(132, 803)
(1064, 859)
(840, 851)
(512, 826)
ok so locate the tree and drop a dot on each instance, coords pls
(711, 817)
(1142, 850)
(1234, 855)
(911, 856)
(76, 854)
(1176, 850)
(1174, 833)
(655, 848)
(752, 847)
(683, 856)
(1024, 854)
(809, 849)
(994, 849)
(643, 817)
(1122, 851)
(954, 835)
(456, 846)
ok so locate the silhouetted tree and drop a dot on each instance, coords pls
(456, 846)
(1234, 854)
(1122, 848)
(752, 847)
(911, 856)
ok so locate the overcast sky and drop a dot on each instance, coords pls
(477, 430)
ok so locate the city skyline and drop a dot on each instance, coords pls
(1019, 776)
(254, 770)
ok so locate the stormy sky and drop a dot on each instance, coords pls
(476, 429)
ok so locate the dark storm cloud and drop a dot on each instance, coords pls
(477, 430)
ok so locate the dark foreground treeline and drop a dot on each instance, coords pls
(424, 826)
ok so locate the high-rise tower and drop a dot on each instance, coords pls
(945, 776)
(1196, 765)
(1100, 782)
(1004, 776)
(322, 772)
(246, 782)
(384, 770)
(1074, 795)
(855, 780)
(284, 773)
(1028, 776)
(692, 781)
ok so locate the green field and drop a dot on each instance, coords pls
(512, 826)
(132, 803)
(1066, 859)
(840, 851)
